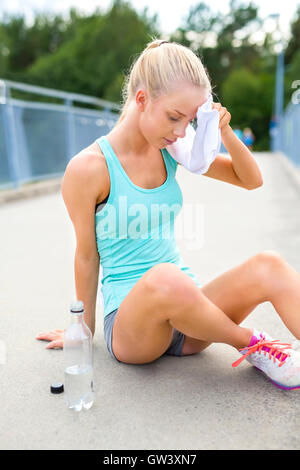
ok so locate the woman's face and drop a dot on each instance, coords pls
(168, 116)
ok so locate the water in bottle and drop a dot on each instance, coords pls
(78, 356)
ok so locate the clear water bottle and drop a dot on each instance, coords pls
(78, 358)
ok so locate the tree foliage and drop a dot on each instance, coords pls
(294, 44)
(90, 54)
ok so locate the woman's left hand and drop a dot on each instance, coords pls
(56, 338)
(224, 116)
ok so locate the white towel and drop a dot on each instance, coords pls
(198, 149)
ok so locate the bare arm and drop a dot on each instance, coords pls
(86, 281)
(243, 162)
(240, 168)
(80, 191)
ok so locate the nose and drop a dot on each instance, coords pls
(180, 131)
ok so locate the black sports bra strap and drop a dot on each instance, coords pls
(102, 202)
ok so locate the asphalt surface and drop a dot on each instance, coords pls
(193, 402)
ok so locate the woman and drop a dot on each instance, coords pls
(153, 303)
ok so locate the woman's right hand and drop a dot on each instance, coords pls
(55, 337)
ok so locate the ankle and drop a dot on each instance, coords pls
(244, 338)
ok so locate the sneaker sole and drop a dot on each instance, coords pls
(282, 387)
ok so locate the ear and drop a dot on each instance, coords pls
(141, 99)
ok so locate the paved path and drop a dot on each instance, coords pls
(193, 402)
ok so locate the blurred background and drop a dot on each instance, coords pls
(62, 67)
(63, 63)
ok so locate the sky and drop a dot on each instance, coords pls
(170, 12)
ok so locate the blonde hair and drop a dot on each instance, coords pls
(157, 68)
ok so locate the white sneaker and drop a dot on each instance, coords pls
(278, 361)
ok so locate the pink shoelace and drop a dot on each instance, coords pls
(273, 348)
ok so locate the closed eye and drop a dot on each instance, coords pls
(173, 119)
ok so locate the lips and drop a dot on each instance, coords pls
(170, 141)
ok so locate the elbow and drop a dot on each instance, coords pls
(258, 184)
(87, 256)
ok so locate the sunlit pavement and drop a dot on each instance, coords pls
(191, 402)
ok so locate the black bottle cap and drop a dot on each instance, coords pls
(57, 387)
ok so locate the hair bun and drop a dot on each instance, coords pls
(154, 71)
(156, 43)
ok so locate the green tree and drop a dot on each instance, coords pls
(91, 54)
(222, 41)
(242, 71)
(22, 45)
(249, 97)
(294, 42)
(94, 61)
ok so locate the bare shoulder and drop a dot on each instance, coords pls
(85, 183)
(90, 166)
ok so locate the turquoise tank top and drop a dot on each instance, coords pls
(135, 228)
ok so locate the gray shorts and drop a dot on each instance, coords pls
(175, 348)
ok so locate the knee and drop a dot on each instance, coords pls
(170, 283)
(269, 262)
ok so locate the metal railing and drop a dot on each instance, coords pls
(285, 137)
(289, 133)
(37, 139)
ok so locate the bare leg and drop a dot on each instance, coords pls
(165, 298)
(162, 299)
(284, 294)
(264, 277)
(192, 345)
(206, 322)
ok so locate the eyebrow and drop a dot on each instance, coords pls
(179, 112)
(183, 114)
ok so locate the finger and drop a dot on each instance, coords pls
(46, 336)
(222, 118)
(217, 106)
(49, 334)
(55, 344)
(42, 336)
(222, 111)
(43, 333)
(225, 119)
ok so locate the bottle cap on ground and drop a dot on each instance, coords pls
(57, 387)
(76, 306)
